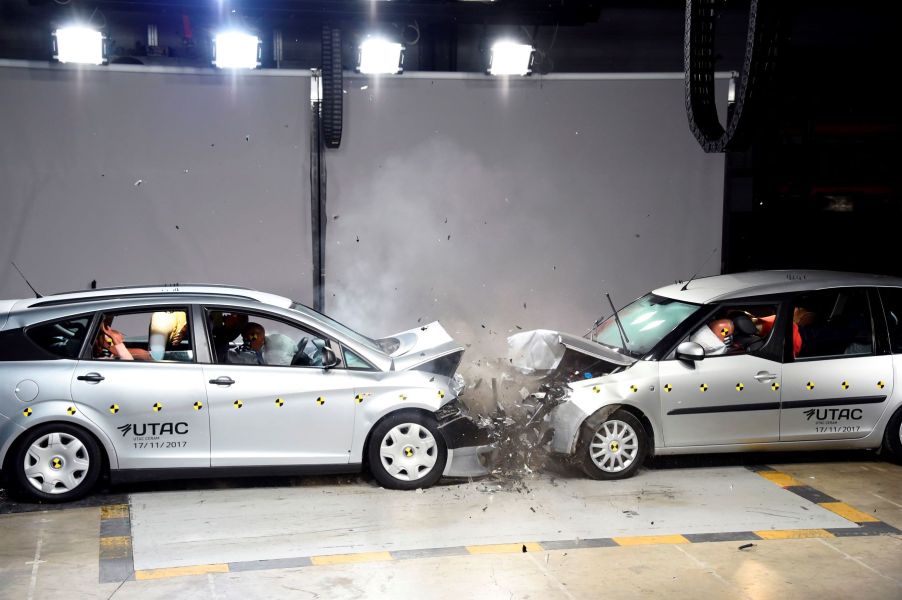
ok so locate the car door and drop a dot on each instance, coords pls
(263, 410)
(154, 410)
(837, 385)
(732, 395)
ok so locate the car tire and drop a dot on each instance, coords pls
(67, 461)
(406, 451)
(892, 439)
(614, 448)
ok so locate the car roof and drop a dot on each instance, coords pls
(154, 291)
(763, 283)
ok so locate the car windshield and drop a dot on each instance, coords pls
(645, 321)
(339, 327)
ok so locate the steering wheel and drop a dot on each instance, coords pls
(300, 357)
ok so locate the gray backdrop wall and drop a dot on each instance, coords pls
(223, 166)
(487, 204)
(493, 205)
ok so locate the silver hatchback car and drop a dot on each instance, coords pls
(777, 360)
(187, 381)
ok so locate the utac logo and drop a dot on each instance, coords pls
(833, 414)
(141, 429)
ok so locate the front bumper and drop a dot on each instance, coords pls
(470, 447)
(469, 461)
(565, 420)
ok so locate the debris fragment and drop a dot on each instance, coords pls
(139, 182)
(524, 548)
(746, 546)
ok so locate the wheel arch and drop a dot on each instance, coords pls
(17, 442)
(369, 434)
(599, 416)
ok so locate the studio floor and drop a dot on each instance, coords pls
(788, 526)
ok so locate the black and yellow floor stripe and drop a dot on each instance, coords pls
(116, 560)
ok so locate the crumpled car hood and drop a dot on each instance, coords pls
(543, 350)
(425, 344)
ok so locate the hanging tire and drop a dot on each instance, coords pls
(406, 451)
(56, 462)
(614, 448)
(892, 439)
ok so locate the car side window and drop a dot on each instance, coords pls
(62, 338)
(892, 307)
(243, 338)
(353, 360)
(161, 335)
(736, 329)
(833, 324)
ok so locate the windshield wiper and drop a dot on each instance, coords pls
(620, 329)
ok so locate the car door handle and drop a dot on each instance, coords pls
(91, 377)
(222, 381)
(764, 376)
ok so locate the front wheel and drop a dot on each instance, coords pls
(406, 451)
(892, 440)
(614, 448)
(56, 462)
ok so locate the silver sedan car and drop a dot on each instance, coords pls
(777, 360)
(187, 381)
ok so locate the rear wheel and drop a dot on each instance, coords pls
(406, 451)
(892, 440)
(614, 448)
(56, 462)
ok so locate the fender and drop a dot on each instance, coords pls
(58, 411)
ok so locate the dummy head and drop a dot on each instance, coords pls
(254, 336)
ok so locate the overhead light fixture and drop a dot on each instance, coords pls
(78, 44)
(236, 50)
(380, 56)
(510, 58)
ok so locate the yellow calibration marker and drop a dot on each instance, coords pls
(596, 389)
(402, 397)
(280, 403)
(320, 400)
(358, 398)
(237, 403)
(27, 412)
(633, 388)
(809, 386)
(441, 393)
(845, 385)
(775, 386)
(703, 388)
(114, 408)
(157, 407)
(71, 410)
(198, 405)
(880, 385)
(668, 387)
(740, 386)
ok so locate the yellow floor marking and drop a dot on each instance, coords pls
(847, 512)
(344, 559)
(181, 571)
(794, 534)
(117, 541)
(114, 511)
(504, 548)
(644, 540)
(781, 479)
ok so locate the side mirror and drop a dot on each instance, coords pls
(690, 351)
(329, 359)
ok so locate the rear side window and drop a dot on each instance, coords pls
(892, 306)
(834, 323)
(61, 338)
